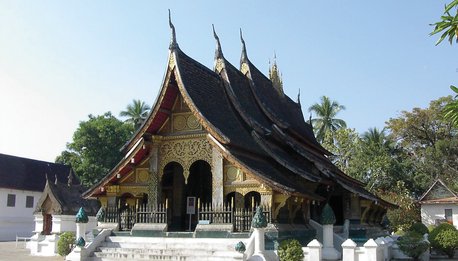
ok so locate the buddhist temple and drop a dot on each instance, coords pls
(219, 142)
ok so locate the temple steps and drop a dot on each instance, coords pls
(176, 249)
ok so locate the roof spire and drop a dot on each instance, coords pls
(218, 51)
(244, 57)
(299, 97)
(173, 41)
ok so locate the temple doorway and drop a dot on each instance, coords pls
(252, 200)
(47, 224)
(199, 186)
(173, 192)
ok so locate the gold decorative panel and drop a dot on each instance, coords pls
(185, 122)
(142, 175)
(113, 189)
(185, 152)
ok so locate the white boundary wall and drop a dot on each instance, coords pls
(17, 220)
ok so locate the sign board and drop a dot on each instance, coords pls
(191, 205)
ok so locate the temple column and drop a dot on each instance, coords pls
(217, 178)
(355, 208)
(154, 186)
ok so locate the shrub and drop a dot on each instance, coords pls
(431, 228)
(399, 232)
(290, 250)
(444, 238)
(420, 228)
(413, 244)
(65, 243)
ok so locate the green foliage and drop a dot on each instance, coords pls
(94, 150)
(419, 228)
(450, 110)
(327, 215)
(136, 112)
(259, 219)
(448, 24)
(413, 244)
(326, 121)
(407, 214)
(429, 143)
(343, 144)
(65, 243)
(431, 228)
(444, 238)
(290, 250)
(81, 216)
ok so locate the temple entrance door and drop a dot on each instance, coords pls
(173, 191)
(47, 224)
(199, 186)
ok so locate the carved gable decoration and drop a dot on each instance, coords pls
(185, 151)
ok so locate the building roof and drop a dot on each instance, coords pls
(254, 126)
(439, 193)
(28, 174)
(66, 200)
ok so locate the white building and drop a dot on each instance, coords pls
(21, 184)
(439, 204)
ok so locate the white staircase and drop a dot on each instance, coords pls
(157, 248)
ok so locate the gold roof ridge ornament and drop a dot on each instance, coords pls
(173, 40)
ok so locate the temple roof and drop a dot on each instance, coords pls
(66, 200)
(29, 174)
(439, 193)
(255, 127)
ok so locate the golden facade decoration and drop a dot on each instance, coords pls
(184, 150)
(219, 65)
(142, 175)
(185, 122)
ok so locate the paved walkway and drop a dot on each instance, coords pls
(9, 252)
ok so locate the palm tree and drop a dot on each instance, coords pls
(375, 136)
(325, 121)
(136, 113)
(450, 110)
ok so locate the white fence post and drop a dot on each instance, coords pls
(348, 250)
(371, 250)
(314, 250)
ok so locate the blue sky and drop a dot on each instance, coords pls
(63, 60)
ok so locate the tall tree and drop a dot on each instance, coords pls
(326, 121)
(136, 112)
(430, 141)
(344, 144)
(448, 23)
(94, 150)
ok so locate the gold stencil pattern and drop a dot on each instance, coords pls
(184, 152)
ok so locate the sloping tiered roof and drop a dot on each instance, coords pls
(29, 174)
(253, 125)
(66, 199)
